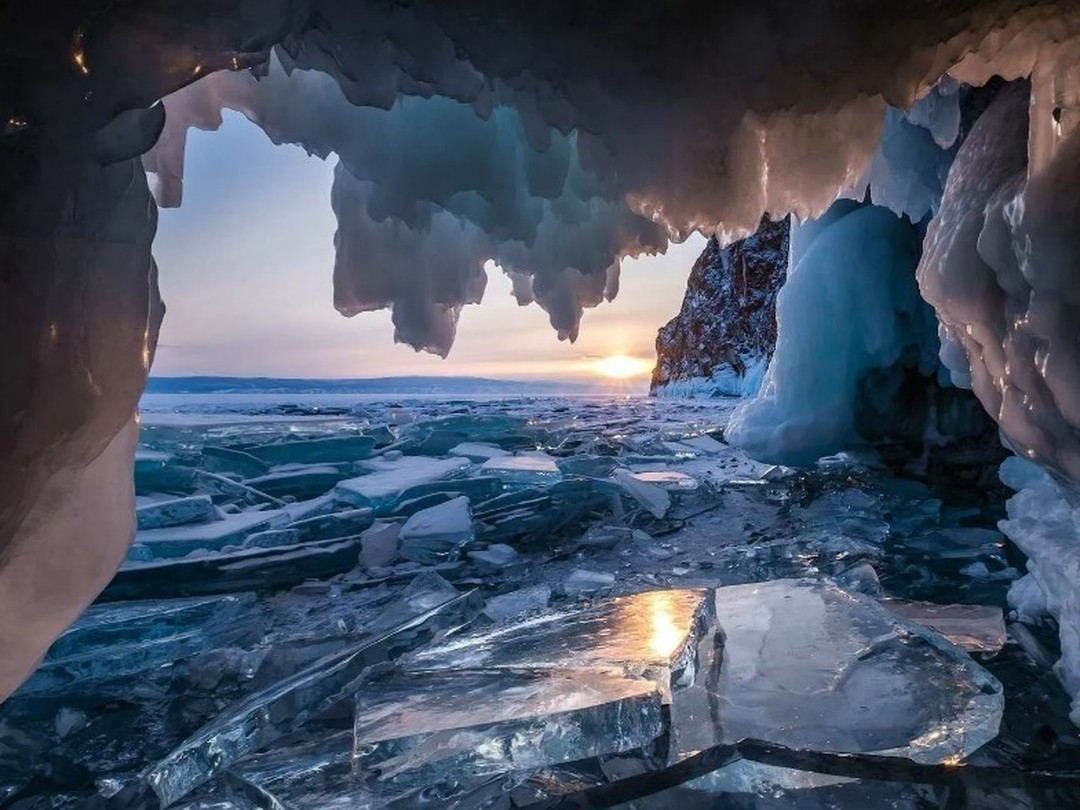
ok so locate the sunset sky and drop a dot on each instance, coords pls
(246, 267)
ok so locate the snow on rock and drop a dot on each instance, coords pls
(721, 341)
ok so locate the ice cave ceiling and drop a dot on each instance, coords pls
(554, 137)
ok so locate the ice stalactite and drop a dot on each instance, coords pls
(428, 191)
(1000, 268)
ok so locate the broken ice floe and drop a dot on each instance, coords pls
(811, 666)
(260, 572)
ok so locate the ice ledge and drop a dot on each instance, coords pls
(1044, 521)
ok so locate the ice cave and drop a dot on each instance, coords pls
(832, 561)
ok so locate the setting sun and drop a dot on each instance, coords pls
(621, 366)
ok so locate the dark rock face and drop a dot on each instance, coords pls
(721, 341)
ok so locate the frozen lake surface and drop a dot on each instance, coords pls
(351, 601)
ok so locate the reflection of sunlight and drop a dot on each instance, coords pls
(665, 636)
(620, 366)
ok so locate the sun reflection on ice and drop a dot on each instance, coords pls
(665, 636)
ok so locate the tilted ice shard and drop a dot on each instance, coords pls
(116, 640)
(976, 628)
(315, 451)
(671, 480)
(175, 512)
(654, 499)
(298, 480)
(178, 541)
(478, 451)
(250, 568)
(808, 665)
(266, 715)
(386, 480)
(437, 534)
(516, 603)
(420, 728)
(524, 469)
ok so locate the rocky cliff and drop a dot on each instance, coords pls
(720, 342)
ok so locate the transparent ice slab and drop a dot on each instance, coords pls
(525, 469)
(437, 534)
(115, 640)
(387, 479)
(299, 481)
(315, 451)
(704, 445)
(648, 635)
(476, 488)
(472, 427)
(317, 775)
(314, 775)
(516, 603)
(478, 451)
(671, 480)
(583, 582)
(345, 523)
(266, 715)
(590, 466)
(808, 665)
(423, 728)
(494, 558)
(229, 530)
(654, 499)
(975, 628)
(230, 460)
(957, 543)
(176, 512)
(247, 569)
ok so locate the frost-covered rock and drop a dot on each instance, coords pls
(721, 341)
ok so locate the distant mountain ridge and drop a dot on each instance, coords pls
(372, 385)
